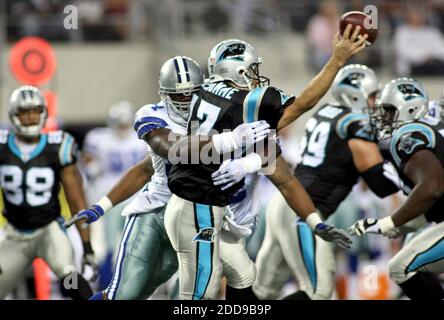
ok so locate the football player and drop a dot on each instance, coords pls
(337, 148)
(146, 258)
(417, 149)
(236, 94)
(32, 167)
(436, 108)
(108, 152)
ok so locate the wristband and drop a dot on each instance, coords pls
(313, 220)
(105, 203)
(224, 142)
(252, 162)
(386, 225)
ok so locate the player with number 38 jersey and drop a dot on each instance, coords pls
(33, 164)
(30, 181)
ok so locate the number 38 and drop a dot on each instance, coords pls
(37, 189)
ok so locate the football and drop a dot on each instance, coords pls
(357, 18)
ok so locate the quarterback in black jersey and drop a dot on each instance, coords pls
(237, 94)
(337, 148)
(417, 149)
(32, 167)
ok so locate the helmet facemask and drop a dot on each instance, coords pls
(178, 103)
(385, 120)
(28, 131)
(253, 78)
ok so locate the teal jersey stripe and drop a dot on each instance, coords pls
(35, 153)
(343, 123)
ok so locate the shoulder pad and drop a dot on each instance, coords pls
(410, 138)
(55, 137)
(149, 118)
(345, 121)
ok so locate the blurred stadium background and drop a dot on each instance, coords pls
(119, 45)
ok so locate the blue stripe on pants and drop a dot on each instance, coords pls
(204, 253)
(307, 245)
(434, 253)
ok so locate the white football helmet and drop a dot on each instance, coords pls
(236, 61)
(401, 101)
(121, 115)
(179, 78)
(354, 85)
(25, 98)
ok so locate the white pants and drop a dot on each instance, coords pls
(18, 250)
(238, 268)
(423, 253)
(291, 248)
(194, 232)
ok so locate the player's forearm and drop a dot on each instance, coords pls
(311, 95)
(418, 202)
(297, 198)
(131, 182)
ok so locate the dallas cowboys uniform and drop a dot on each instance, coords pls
(193, 218)
(327, 172)
(145, 258)
(30, 182)
(426, 251)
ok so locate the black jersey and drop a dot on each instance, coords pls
(326, 169)
(30, 183)
(409, 139)
(219, 107)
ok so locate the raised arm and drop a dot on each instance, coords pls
(343, 48)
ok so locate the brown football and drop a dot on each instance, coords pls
(357, 18)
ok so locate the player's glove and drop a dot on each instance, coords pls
(89, 265)
(244, 135)
(88, 215)
(332, 234)
(383, 226)
(231, 172)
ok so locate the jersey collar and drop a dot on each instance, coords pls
(24, 157)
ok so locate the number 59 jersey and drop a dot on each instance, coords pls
(30, 182)
(326, 169)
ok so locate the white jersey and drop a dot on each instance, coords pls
(113, 155)
(435, 110)
(156, 193)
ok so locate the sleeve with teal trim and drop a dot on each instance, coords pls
(267, 104)
(355, 125)
(68, 150)
(410, 139)
(273, 104)
(149, 118)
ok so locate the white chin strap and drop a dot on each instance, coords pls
(28, 131)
